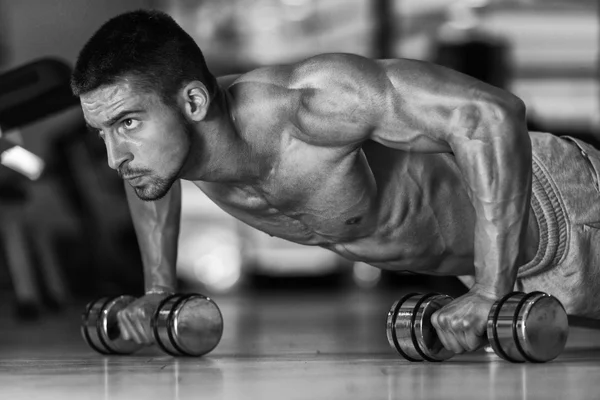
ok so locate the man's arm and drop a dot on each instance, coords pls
(485, 128)
(416, 106)
(157, 229)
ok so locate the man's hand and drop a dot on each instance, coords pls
(461, 324)
(134, 320)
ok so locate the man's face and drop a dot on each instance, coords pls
(146, 142)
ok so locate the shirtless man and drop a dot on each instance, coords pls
(401, 164)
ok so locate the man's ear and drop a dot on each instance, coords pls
(196, 100)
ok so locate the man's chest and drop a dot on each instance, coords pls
(309, 198)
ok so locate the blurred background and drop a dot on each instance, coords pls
(67, 234)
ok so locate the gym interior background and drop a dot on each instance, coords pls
(68, 236)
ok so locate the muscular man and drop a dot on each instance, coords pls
(398, 163)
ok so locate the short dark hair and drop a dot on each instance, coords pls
(146, 45)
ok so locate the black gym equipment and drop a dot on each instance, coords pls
(27, 94)
(102, 256)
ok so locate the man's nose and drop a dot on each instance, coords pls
(117, 153)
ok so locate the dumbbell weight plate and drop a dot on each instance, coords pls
(409, 328)
(188, 325)
(530, 327)
(100, 329)
(89, 323)
(161, 324)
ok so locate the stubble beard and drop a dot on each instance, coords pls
(155, 190)
(160, 186)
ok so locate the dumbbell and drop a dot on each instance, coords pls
(521, 327)
(182, 325)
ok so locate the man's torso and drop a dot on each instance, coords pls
(388, 207)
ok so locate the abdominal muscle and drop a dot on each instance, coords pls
(426, 221)
(429, 242)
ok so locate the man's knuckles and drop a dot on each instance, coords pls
(464, 324)
(446, 320)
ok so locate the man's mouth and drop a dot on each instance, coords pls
(133, 179)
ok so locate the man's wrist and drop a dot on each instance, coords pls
(493, 292)
(496, 279)
(160, 290)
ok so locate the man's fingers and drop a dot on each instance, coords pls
(129, 325)
(445, 342)
(445, 334)
(467, 341)
(471, 341)
(461, 324)
(452, 343)
(140, 325)
(123, 325)
(466, 333)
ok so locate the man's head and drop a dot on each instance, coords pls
(143, 83)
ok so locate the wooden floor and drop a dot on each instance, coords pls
(301, 346)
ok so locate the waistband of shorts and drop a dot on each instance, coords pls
(552, 223)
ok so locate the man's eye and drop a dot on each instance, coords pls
(130, 123)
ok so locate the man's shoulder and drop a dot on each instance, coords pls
(317, 95)
(313, 71)
(269, 75)
(263, 93)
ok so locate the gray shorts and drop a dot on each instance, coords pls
(566, 203)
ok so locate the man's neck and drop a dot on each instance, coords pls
(219, 151)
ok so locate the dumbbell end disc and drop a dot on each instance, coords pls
(197, 325)
(543, 329)
(528, 327)
(188, 325)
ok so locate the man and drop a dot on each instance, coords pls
(398, 163)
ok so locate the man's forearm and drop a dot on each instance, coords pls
(157, 229)
(496, 164)
(499, 245)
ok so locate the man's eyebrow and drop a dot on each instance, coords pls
(120, 115)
